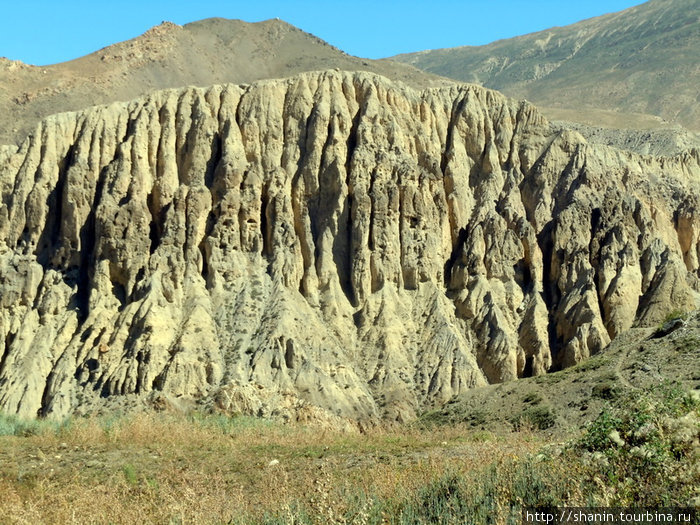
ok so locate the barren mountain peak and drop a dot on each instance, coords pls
(202, 53)
(163, 27)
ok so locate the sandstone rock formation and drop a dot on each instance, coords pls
(333, 239)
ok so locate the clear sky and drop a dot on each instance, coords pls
(46, 32)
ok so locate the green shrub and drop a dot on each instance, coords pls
(130, 474)
(532, 398)
(605, 390)
(537, 417)
(597, 436)
(12, 425)
(642, 447)
(672, 316)
(476, 418)
(592, 363)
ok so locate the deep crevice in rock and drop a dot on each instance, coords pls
(87, 249)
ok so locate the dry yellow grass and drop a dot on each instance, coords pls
(155, 468)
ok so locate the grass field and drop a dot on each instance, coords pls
(167, 468)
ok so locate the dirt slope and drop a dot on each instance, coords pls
(640, 360)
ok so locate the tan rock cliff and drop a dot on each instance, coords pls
(333, 239)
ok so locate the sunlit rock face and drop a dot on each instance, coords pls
(332, 240)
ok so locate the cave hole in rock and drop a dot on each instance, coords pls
(9, 339)
(119, 291)
(456, 252)
(523, 275)
(214, 160)
(342, 251)
(154, 232)
(87, 243)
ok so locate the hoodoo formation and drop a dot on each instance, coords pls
(333, 240)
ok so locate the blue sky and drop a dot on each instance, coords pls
(45, 32)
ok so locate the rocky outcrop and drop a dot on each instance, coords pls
(332, 239)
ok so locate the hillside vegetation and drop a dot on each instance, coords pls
(213, 469)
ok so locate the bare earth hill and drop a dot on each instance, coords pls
(643, 60)
(202, 53)
(329, 245)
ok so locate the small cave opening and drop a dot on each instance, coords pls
(523, 275)
(289, 354)
(529, 365)
(119, 291)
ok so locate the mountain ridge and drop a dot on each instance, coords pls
(203, 53)
(637, 60)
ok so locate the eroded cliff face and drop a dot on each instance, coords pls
(331, 240)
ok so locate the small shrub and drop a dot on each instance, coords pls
(476, 418)
(441, 499)
(605, 390)
(672, 316)
(13, 426)
(550, 378)
(592, 363)
(671, 322)
(533, 398)
(597, 435)
(675, 399)
(540, 418)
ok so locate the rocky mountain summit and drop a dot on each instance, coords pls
(331, 242)
(202, 53)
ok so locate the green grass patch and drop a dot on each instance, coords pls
(12, 425)
(672, 316)
(592, 363)
(533, 398)
(130, 475)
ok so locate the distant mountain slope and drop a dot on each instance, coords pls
(641, 60)
(203, 53)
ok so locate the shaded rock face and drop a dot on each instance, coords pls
(333, 239)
